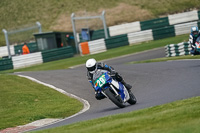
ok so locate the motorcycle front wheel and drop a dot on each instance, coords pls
(132, 99)
(117, 100)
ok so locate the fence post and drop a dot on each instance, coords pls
(7, 42)
(74, 31)
(39, 26)
(104, 24)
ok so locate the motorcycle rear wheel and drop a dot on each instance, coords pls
(117, 100)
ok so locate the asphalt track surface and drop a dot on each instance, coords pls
(153, 83)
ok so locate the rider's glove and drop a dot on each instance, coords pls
(112, 73)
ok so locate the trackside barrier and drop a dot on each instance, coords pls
(6, 64)
(117, 41)
(141, 36)
(4, 50)
(164, 32)
(183, 17)
(177, 49)
(97, 46)
(154, 23)
(199, 15)
(27, 60)
(148, 24)
(184, 28)
(84, 48)
(58, 53)
(124, 28)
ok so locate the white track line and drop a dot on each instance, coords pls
(85, 103)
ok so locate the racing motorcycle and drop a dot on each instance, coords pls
(197, 47)
(112, 89)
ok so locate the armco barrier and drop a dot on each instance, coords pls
(117, 41)
(124, 28)
(165, 32)
(177, 49)
(148, 24)
(183, 17)
(22, 61)
(6, 64)
(140, 36)
(154, 23)
(184, 28)
(4, 50)
(97, 46)
(56, 54)
(199, 15)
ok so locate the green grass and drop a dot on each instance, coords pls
(55, 15)
(176, 117)
(23, 101)
(66, 63)
(167, 59)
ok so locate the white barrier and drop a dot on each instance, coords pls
(140, 36)
(27, 60)
(4, 50)
(184, 28)
(97, 46)
(183, 17)
(124, 28)
(177, 49)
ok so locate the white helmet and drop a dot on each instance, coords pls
(91, 65)
(195, 31)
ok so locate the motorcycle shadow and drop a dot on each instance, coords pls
(113, 109)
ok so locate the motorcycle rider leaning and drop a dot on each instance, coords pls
(92, 65)
(193, 37)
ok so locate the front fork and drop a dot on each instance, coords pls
(114, 90)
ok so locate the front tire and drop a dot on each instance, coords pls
(117, 100)
(132, 99)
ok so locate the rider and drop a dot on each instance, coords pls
(193, 37)
(92, 65)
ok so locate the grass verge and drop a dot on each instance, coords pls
(167, 59)
(23, 101)
(66, 63)
(180, 116)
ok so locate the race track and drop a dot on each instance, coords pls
(153, 83)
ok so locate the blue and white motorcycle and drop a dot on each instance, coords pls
(112, 89)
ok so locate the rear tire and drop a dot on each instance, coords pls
(117, 100)
(132, 99)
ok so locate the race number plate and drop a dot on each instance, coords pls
(100, 81)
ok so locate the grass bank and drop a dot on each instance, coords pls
(180, 116)
(55, 15)
(66, 63)
(23, 101)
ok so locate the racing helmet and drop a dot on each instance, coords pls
(91, 65)
(195, 31)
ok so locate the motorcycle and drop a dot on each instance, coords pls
(196, 50)
(112, 89)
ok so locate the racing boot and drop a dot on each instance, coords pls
(128, 87)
